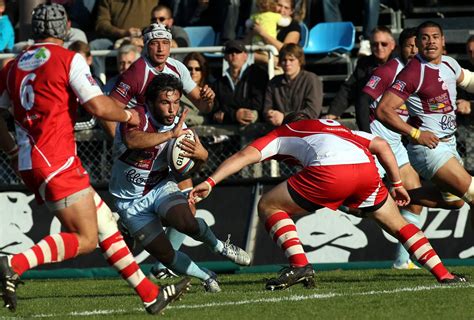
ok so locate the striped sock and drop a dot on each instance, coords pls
(283, 231)
(51, 249)
(401, 254)
(119, 256)
(416, 243)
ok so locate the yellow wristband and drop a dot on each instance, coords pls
(415, 133)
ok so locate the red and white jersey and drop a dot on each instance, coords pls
(381, 79)
(316, 143)
(131, 86)
(429, 92)
(43, 84)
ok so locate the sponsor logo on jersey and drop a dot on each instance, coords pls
(373, 81)
(33, 59)
(399, 85)
(122, 89)
(440, 103)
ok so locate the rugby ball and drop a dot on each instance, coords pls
(177, 162)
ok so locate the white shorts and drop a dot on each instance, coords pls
(401, 155)
(137, 213)
(428, 161)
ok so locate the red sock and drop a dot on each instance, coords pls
(416, 243)
(118, 255)
(53, 248)
(283, 231)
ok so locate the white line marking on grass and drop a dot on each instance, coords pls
(315, 296)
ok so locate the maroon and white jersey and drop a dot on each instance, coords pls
(429, 92)
(316, 143)
(137, 171)
(381, 79)
(43, 84)
(131, 86)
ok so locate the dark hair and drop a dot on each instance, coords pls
(295, 116)
(162, 82)
(428, 24)
(470, 39)
(405, 35)
(160, 7)
(202, 63)
(292, 49)
(80, 47)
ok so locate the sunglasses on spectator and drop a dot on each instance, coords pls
(376, 44)
(160, 19)
(197, 69)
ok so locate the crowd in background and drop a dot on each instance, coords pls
(244, 94)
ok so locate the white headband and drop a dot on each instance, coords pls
(156, 31)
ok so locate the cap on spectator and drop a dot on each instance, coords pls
(234, 46)
(156, 31)
(49, 20)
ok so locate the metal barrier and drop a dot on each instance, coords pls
(95, 151)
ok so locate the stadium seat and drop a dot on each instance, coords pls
(304, 35)
(201, 36)
(328, 37)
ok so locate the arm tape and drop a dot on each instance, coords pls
(468, 82)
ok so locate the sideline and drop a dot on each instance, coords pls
(291, 298)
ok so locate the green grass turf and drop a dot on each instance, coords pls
(340, 294)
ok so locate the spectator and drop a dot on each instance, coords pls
(115, 20)
(7, 35)
(268, 20)
(382, 46)
(465, 99)
(240, 90)
(288, 34)
(197, 66)
(126, 55)
(163, 14)
(295, 90)
(332, 13)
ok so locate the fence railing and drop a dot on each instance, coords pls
(95, 151)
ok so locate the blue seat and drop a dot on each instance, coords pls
(327, 37)
(304, 35)
(201, 36)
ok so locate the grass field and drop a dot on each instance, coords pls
(340, 294)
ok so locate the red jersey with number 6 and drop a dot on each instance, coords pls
(44, 84)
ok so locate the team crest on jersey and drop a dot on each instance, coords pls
(122, 89)
(91, 79)
(33, 59)
(373, 81)
(399, 85)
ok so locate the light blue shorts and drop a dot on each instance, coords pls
(401, 155)
(428, 161)
(147, 210)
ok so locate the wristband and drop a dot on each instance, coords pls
(397, 184)
(211, 182)
(13, 152)
(129, 115)
(415, 133)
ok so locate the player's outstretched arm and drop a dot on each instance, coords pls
(248, 155)
(382, 150)
(103, 107)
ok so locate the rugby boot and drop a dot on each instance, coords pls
(211, 285)
(290, 276)
(458, 278)
(10, 280)
(167, 295)
(235, 254)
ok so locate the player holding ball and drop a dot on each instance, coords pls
(147, 193)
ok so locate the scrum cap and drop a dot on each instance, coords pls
(156, 31)
(49, 20)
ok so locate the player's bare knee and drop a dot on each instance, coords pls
(265, 208)
(87, 243)
(166, 257)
